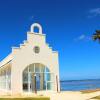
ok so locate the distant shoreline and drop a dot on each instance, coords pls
(79, 80)
(80, 85)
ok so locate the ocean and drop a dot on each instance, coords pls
(77, 85)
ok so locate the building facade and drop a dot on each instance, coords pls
(32, 67)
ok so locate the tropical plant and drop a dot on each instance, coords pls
(96, 35)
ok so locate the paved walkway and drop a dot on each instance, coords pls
(73, 96)
(68, 95)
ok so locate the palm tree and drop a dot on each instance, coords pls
(96, 35)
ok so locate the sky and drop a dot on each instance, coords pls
(68, 25)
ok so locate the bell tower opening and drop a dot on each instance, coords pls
(36, 28)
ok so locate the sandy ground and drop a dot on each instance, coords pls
(74, 96)
(68, 95)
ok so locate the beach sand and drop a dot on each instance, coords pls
(66, 95)
(69, 95)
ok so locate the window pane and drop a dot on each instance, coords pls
(25, 77)
(25, 81)
(47, 70)
(42, 69)
(49, 85)
(26, 70)
(48, 76)
(31, 68)
(37, 68)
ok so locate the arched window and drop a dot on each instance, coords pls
(44, 79)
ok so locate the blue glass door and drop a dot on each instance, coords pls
(38, 81)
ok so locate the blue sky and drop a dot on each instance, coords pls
(68, 25)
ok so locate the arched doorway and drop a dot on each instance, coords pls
(37, 76)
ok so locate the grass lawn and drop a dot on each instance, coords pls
(98, 98)
(90, 91)
(24, 99)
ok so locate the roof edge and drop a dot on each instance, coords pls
(6, 60)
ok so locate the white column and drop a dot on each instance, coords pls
(28, 80)
(6, 80)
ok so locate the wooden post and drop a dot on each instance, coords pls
(57, 82)
(35, 84)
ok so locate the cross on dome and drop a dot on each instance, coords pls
(38, 26)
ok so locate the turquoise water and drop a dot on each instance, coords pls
(77, 85)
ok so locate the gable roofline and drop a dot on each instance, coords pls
(6, 60)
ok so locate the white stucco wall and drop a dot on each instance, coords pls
(24, 56)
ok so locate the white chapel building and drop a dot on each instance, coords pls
(32, 67)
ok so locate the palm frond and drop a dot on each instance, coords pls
(96, 35)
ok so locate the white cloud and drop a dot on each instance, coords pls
(82, 37)
(94, 12)
(79, 38)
